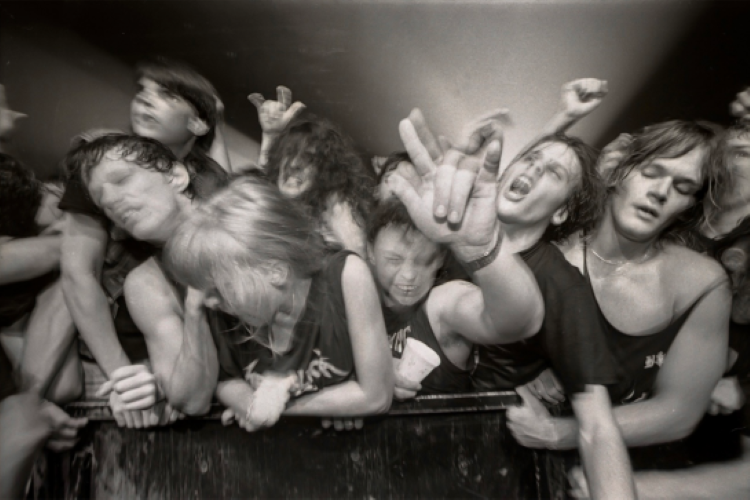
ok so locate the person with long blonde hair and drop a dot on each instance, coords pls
(311, 339)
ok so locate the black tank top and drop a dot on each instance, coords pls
(637, 357)
(321, 350)
(446, 378)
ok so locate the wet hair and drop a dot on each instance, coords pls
(246, 227)
(392, 213)
(585, 203)
(20, 198)
(206, 176)
(339, 173)
(184, 81)
(673, 139)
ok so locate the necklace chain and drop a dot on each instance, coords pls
(644, 258)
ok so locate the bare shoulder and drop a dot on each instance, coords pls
(146, 280)
(691, 272)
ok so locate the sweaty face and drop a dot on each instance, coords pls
(655, 193)
(406, 264)
(142, 202)
(296, 176)
(157, 113)
(534, 187)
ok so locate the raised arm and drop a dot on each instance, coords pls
(273, 116)
(182, 352)
(455, 204)
(371, 390)
(219, 152)
(578, 98)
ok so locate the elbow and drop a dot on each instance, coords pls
(379, 401)
(191, 404)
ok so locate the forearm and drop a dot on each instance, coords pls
(89, 308)
(648, 422)
(27, 258)
(49, 336)
(557, 124)
(196, 369)
(718, 481)
(511, 305)
(605, 458)
(266, 142)
(347, 399)
(235, 394)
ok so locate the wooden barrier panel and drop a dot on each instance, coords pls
(415, 452)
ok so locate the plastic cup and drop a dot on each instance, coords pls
(417, 360)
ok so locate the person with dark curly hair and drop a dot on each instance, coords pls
(316, 164)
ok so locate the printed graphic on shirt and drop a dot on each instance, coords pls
(307, 380)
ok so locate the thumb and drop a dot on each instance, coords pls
(105, 389)
(531, 402)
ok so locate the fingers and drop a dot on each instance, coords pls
(105, 389)
(444, 180)
(463, 183)
(426, 137)
(404, 191)
(257, 99)
(531, 402)
(444, 142)
(403, 394)
(284, 96)
(591, 88)
(418, 151)
(492, 157)
(227, 417)
(293, 110)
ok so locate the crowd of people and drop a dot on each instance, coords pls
(610, 286)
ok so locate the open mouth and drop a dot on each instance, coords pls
(406, 289)
(521, 186)
(647, 212)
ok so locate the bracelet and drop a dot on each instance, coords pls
(486, 259)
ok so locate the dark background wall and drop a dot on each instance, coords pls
(69, 64)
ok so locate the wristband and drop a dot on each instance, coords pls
(486, 259)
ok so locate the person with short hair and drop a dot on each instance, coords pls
(176, 105)
(139, 185)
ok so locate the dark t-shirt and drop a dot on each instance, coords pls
(571, 339)
(321, 350)
(446, 378)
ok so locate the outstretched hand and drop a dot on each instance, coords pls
(580, 97)
(451, 193)
(274, 116)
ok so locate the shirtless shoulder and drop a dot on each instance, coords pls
(690, 273)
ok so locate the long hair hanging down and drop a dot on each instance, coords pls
(340, 173)
(243, 228)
